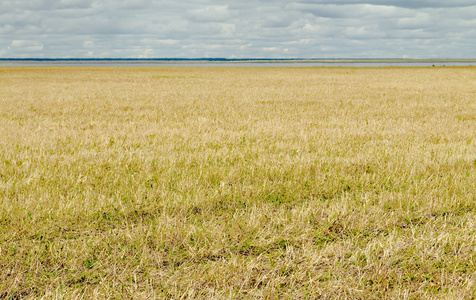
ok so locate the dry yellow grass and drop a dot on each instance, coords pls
(237, 183)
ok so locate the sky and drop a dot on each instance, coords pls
(237, 29)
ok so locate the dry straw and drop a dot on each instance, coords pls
(237, 183)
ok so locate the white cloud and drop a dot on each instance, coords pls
(243, 47)
(34, 48)
(168, 42)
(88, 44)
(228, 28)
(213, 46)
(27, 45)
(148, 53)
(19, 43)
(421, 20)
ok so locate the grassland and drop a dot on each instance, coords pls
(237, 183)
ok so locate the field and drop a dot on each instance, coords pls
(237, 183)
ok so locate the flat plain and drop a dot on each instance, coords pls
(236, 183)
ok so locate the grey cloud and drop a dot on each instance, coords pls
(209, 14)
(41, 5)
(431, 3)
(351, 10)
(398, 3)
(74, 4)
(262, 28)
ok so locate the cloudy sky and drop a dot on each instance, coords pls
(238, 29)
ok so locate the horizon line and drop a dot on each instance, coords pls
(222, 59)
